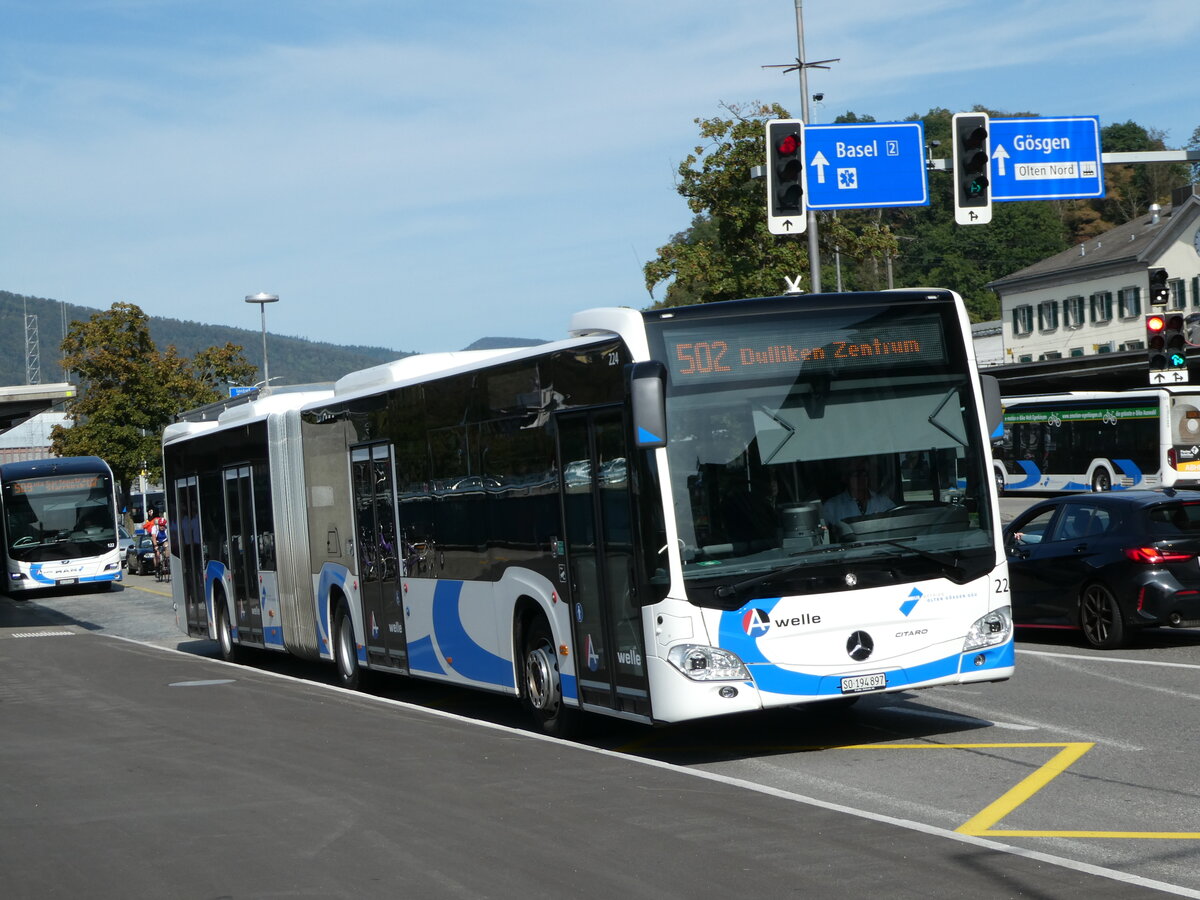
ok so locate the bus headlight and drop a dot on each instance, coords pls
(994, 628)
(701, 663)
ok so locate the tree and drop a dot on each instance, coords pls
(129, 391)
(727, 251)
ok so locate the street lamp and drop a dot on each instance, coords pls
(262, 300)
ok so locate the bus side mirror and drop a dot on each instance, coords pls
(992, 410)
(648, 399)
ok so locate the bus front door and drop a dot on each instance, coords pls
(377, 554)
(598, 535)
(188, 548)
(243, 554)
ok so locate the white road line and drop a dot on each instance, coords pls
(1050, 859)
(956, 717)
(1110, 659)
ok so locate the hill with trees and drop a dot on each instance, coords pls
(296, 360)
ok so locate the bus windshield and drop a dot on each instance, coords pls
(59, 517)
(795, 461)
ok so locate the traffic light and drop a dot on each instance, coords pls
(1156, 357)
(1174, 345)
(1160, 292)
(972, 167)
(1166, 349)
(786, 209)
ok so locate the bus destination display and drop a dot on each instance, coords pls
(714, 351)
(58, 485)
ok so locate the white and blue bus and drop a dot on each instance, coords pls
(1099, 441)
(59, 520)
(646, 519)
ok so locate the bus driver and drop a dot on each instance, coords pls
(857, 499)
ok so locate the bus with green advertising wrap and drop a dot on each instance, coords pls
(665, 515)
(1099, 441)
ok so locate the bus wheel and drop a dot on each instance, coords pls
(542, 688)
(345, 650)
(1000, 480)
(1101, 481)
(1100, 617)
(229, 650)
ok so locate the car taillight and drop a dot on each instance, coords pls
(1154, 556)
(1171, 458)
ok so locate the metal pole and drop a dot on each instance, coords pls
(262, 299)
(266, 366)
(814, 253)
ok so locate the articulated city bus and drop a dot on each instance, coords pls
(654, 518)
(59, 520)
(1100, 441)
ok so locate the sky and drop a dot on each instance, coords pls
(418, 174)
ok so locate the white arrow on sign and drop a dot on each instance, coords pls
(819, 162)
(1000, 154)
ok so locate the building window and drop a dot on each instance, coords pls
(1177, 299)
(1073, 312)
(1196, 291)
(1134, 345)
(1129, 301)
(1048, 315)
(1023, 320)
(1077, 351)
(1102, 306)
(1025, 357)
(1051, 354)
(1106, 347)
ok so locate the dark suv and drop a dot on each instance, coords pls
(1107, 563)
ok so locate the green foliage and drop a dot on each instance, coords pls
(129, 391)
(727, 252)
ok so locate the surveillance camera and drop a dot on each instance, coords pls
(818, 97)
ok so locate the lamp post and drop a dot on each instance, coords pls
(262, 300)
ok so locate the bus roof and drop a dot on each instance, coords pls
(59, 465)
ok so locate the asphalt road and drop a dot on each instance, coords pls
(134, 769)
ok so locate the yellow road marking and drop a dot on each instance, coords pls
(981, 824)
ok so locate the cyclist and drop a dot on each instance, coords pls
(156, 527)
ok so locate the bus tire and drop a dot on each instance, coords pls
(1100, 617)
(229, 649)
(541, 686)
(1101, 480)
(345, 650)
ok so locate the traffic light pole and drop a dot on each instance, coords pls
(814, 251)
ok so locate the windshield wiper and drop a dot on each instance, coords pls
(950, 563)
(732, 590)
(942, 559)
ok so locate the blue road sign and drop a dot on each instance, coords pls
(238, 390)
(1046, 159)
(866, 165)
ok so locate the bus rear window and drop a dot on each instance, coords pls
(1175, 519)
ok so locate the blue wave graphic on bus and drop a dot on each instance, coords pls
(458, 648)
(332, 575)
(36, 574)
(1034, 477)
(776, 680)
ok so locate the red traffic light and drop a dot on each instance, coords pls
(1155, 323)
(788, 145)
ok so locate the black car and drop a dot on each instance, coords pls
(1107, 563)
(139, 556)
